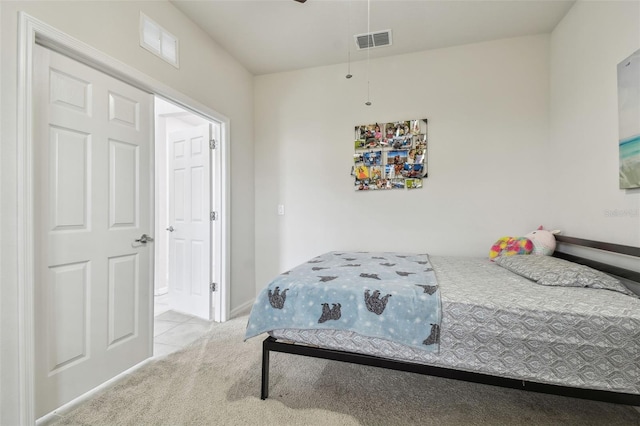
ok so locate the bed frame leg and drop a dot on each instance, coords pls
(265, 369)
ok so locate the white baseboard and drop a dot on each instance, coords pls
(242, 309)
(60, 412)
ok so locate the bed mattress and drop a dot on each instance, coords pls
(496, 322)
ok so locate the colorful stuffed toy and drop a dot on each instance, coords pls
(508, 246)
(540, 241)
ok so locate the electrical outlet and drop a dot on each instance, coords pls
(281, 209)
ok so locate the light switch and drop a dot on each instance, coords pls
(281, 209)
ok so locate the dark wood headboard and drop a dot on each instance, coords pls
(602, 246)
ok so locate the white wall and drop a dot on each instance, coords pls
(487, 106)
(207, 74)
(583, 152)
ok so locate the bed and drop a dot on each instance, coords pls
(497, 327)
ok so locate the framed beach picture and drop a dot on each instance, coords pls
(629, 121)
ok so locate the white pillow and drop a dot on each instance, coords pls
(547, 270)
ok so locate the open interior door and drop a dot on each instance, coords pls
(190, 218)
(93, 203)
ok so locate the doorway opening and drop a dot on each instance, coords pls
(185, 246)
(185, 197)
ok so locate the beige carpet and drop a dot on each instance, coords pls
(216, 381)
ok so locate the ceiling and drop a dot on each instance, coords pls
(269, 36)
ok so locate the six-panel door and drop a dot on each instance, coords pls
(93, 198)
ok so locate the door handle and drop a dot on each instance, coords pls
(144, 238)
(170, 229)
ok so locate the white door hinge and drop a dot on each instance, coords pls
(212, 287)
(213, 216)
(212, 144)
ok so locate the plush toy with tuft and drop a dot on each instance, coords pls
(540, 241)
(544, 242)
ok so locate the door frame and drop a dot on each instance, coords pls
(32, 31)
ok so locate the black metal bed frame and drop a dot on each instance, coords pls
(271, 344)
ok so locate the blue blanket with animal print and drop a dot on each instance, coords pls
(392, 296)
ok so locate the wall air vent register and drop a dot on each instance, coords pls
(158, 41)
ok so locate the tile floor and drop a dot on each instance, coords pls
(173, 330)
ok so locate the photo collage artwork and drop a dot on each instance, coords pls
(390, 155)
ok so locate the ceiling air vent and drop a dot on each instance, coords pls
(371, 40)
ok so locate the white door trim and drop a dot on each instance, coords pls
(30, 32)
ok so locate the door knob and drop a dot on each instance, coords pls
(170, 229)
(144, 238)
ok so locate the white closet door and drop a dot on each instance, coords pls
(93, 198)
